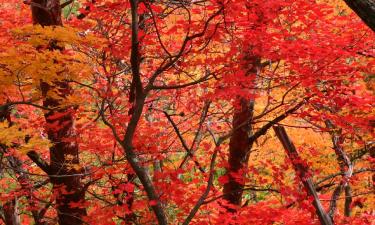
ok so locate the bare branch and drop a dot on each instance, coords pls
(187, 149)
(34, 156)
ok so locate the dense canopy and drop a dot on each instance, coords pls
(187, 112)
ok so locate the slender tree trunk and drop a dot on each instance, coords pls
(348, 201)
(365, 9)
(346, 168)
(240, 143)
(67, 186)
(302, 172)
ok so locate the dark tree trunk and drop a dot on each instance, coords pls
(240, 143)
(365, 9)
(64, 152)
(63, 157)
(10, 211)
(239, 151)
(372, 154)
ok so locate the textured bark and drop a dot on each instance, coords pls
(239, 151)
(64, 149)
(346, 168)
(240, 143)
(46, 12)
(302, 172)
(365, 9)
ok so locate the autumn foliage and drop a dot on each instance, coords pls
(186, 112)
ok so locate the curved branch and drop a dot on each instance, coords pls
(183, 142)
(206, 192)
(202, 79)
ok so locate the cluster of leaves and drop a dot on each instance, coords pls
(154, 88)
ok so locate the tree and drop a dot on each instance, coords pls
(62, 168)
(365, 10)
(161, 112)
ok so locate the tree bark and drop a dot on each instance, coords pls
(302, 172)
(137, 97)
(365, 9)
(240, 143)
(63, 175)
(239, 151)
(11, 214)
(346, 168)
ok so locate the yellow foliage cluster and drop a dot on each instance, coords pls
(31, 62)
(13, 136)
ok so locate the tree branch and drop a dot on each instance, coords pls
(365, 9)
(273, 122)
(207, 190)
(34, 156)
(182, 140)
(66, 3)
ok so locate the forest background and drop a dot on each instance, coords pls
(187, 112)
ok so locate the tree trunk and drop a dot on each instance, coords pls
(240, 143)
(302, 172)
(239, 151)
(346, 168)
(365, 9)
(10, 211)
(64, 158)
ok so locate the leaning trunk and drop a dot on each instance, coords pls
(302, 172)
